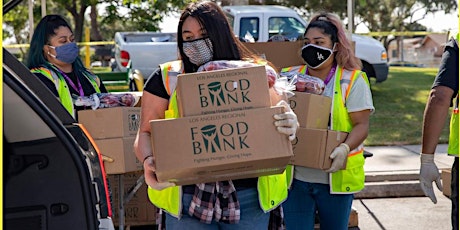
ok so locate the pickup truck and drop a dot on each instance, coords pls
(143, 51)
(251, 23)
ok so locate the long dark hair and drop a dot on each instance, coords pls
(226, 45)
(42, 34)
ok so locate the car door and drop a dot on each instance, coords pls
(53, 175)
(47, 183)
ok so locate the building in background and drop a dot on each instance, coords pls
(419, 51)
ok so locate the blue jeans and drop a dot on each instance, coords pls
(252, 217)
(305, 199)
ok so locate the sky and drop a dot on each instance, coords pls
(437, 22)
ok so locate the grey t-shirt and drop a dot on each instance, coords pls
(359, 99)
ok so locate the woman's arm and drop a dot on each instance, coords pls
(358, 134)
(153, 107)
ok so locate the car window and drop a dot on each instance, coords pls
(289, 27)
(249, 29)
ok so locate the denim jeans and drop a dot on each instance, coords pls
(252, 217)
(305, 199)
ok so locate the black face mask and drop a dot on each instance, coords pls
(315, 55)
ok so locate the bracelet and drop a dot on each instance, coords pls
(145, 158)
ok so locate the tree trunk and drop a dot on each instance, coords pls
(95, 33)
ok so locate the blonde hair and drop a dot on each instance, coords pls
(331, 25)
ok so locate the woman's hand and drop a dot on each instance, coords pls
(150, 176)
(286, 122)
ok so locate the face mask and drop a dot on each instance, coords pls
(198, 51)
(66, 53)
(315, 55)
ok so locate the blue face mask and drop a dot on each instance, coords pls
(66, 53)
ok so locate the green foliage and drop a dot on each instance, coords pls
(137, 15)
(377, 15)
(399, 105)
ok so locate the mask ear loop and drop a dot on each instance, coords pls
(48, 52)
(334, 47)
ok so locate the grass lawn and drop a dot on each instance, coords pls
(399, 104)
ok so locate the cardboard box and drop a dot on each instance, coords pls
(222, 91)
(138, 210)
(353, 218)
(312, 147)
(280, 54)
(446, 175)
(111, 122)
(215, 147)
(121, 150)
(129, 181)
(312, 110)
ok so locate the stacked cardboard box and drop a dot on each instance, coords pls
(446, 176)
(139, 210)
(226, 130)
(114, 130)
(314, 143)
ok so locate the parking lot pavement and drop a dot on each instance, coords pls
(404, 213)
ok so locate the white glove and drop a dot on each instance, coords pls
(429, 172)
(150, 176)
(339, 157)
(286, 123)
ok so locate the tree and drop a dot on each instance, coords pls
(17, 25)
(398, 15)
(378, 15)
(137, 15)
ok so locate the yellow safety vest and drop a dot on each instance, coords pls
(452, 148)
(351, 179)
(62, 87)
(272, 189)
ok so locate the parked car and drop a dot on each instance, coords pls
(53, 176)
(253, 23)
(405, 63)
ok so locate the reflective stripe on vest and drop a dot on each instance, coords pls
(300, 69)
(272, 189)
(452, 148)
(62, 87)
(169, 72)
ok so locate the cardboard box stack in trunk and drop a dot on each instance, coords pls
(226, 131)
(139, 210)
(114, 130)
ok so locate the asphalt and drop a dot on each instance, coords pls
(393, 199)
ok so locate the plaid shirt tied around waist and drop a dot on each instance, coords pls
(218, 200)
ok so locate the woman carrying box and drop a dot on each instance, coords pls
(329, 56)
(204, 35)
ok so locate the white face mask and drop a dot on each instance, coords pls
(199, 51)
